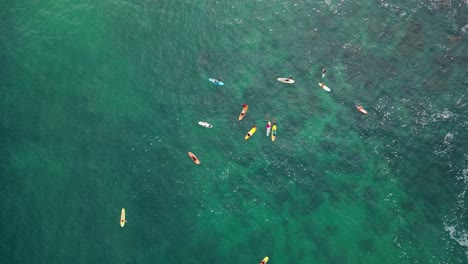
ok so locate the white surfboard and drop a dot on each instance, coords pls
(361, 109)
(205, 124)
(122, 218)
(323, 86)
(286, 80)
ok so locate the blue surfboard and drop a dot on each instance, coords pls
(216, 81)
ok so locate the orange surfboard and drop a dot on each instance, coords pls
(194, 158)
(244, 110)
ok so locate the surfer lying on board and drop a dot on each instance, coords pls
(217, 81)
(289, 78)
(243, 107)
(264, 261)
(361, 109)
(249, 134)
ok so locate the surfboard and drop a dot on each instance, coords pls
(361, 109)
(286, 80)
(323, 86)
(251, 132)
(268, 128)
(205, 124)
(273, 132)
(264, 260)
(194, 158)
(244, 110)
(216, 81)
(122, 218)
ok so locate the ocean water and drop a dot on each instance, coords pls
(100, 104)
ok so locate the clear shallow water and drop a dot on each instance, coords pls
(101, 104)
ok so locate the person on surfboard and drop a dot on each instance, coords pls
(273, 133)
(248, 134)
(361, 109)
(268, 125)
(243, 107)
(264, 261)
(267, 118)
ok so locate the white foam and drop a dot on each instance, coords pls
(445, 114)
(446, 147)
(465, 29)
(458, 215)
(448, 137)
(460, 236)
(464, 177)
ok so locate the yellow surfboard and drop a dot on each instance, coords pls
(264, 261)
(122, 218)
(251, 132)
(273, 132)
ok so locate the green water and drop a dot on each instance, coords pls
(100, 106)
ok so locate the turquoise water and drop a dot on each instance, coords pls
(101, 102)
